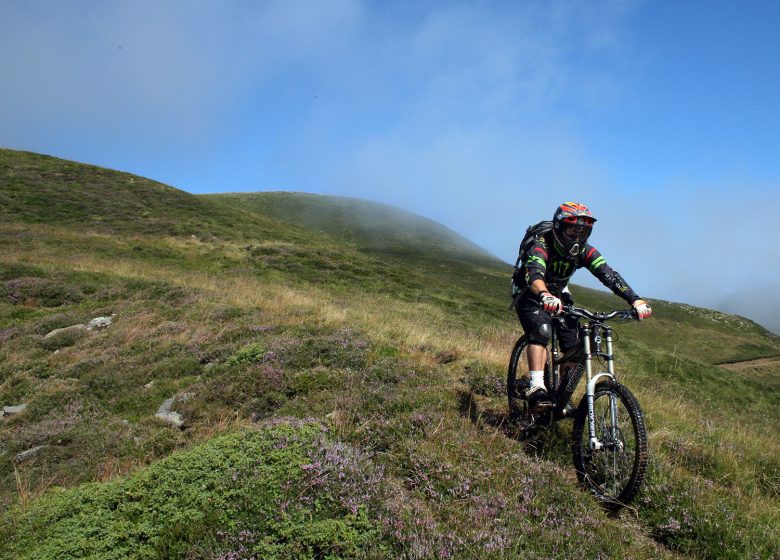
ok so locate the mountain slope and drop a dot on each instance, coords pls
(340, 398)
(371, 226)
(40, 189)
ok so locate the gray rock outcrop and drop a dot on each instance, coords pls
(10, 410)
(96, 324)
(165, 413)
(99, 323)
(73, 329)
(29, 454)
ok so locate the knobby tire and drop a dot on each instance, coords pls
(516, 405)
(517, 376)
(612, 475)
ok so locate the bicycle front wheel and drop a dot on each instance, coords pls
(615, 471)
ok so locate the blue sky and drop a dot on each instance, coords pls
(662, 116)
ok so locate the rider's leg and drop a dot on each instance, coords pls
(536, 324)
(538, 397)
(538, 338)
(537, 356)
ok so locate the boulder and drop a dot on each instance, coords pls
(99, 323)
(165, 413)
(18, 409)
(29, 454)
(73, 329)
(172, 418)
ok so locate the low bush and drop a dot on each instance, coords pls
(283, 490)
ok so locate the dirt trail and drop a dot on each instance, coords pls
(752, 364)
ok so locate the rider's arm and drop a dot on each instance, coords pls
(538, 287)
(536, 266)
(609, 277)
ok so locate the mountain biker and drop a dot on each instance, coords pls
(551, 261)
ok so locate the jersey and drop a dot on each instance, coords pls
(546, 262)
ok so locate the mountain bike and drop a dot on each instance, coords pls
(609, 439)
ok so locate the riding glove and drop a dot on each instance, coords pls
(550, 303)
(643, 310)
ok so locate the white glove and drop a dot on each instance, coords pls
(550, 303)
(643, 310)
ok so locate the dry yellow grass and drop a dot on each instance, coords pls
(412, 325)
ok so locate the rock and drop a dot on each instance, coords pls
(149, 385)
(165, 407)
(18, 409)
(29, 454)
(99, 323)
(165, 414)
(73, 329)
(173, 418)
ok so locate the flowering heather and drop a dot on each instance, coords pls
(239, 545)
(7, 333)
(274, 376)
(52, 425)
(346, 472)
(262, 328)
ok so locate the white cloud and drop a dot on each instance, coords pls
(167, 70)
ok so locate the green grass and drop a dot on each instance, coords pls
(277, 491)
(346, 355)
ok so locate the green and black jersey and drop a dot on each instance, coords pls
(546, 262)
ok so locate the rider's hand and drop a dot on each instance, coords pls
(643, 310)
(550, 303)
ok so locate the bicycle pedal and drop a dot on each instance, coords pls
(567, 412)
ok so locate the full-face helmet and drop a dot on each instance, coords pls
(572, 224)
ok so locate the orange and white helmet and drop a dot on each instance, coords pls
(572, 225)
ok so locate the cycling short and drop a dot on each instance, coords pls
(532, 316)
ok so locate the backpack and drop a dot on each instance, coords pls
(533, 233)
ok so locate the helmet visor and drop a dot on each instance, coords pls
(576, 232)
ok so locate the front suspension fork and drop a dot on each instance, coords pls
(590, 388)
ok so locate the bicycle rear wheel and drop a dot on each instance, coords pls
(517, 379)
(615, 472)
(517, 383)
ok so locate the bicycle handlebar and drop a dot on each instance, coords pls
(599, 316)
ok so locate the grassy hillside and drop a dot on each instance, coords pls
(340, 380)
(370, 226)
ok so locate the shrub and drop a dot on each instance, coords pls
(284, 490)
(247, 355)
